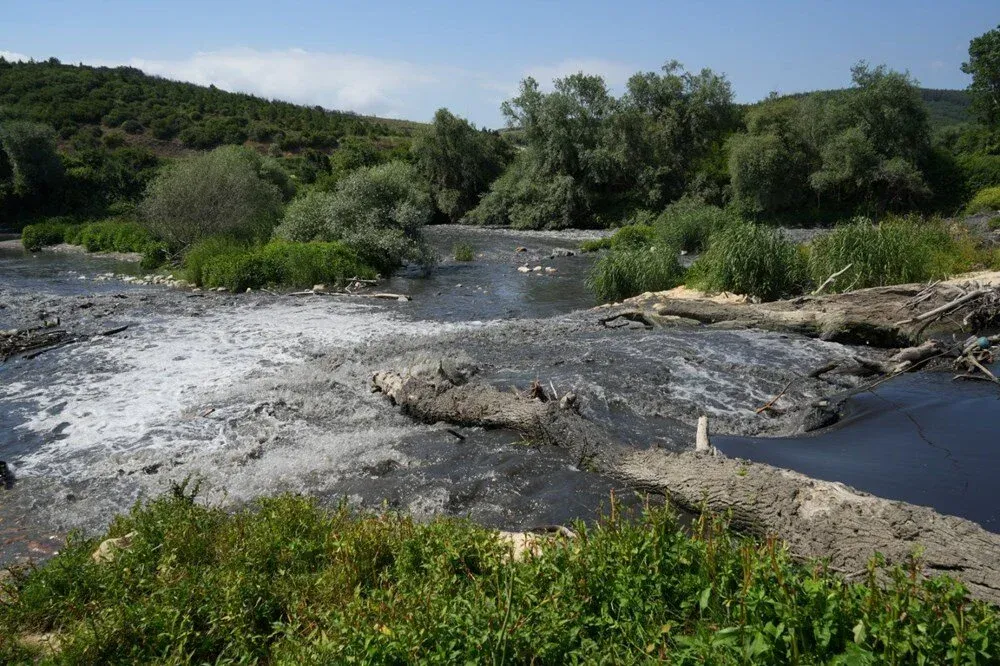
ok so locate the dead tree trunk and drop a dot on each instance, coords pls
(816, 518)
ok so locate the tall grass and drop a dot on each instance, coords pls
(896, 251)
(287, 582)
(222, 262)
(629, 270)
(751, 259)
(464, 252)
(689, 224)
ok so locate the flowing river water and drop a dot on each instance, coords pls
(255, 394)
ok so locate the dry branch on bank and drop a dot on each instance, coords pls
(818, 519)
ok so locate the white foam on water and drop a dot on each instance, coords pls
(113, 396)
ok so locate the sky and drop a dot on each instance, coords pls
(407, 59)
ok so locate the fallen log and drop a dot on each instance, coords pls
(818, 519)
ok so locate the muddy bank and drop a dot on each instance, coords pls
(880, 317)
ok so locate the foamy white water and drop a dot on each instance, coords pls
(116, 395)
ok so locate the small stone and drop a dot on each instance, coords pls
(109, 548)
(521, 249)
(319, 289)
(249, 290)
(537, 269)
(523, 269)
(549, 269)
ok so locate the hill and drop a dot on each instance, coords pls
(170, 116)
(945, 108)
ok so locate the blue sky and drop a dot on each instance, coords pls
(406, 59)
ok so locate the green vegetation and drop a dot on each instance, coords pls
(287, 582)
(984, 67)
(688, 223)
(73, 98)
(464, 252)
(896, 251)
(751, 259)
(986, 200)
(459, 162)
(223, 192)
(378, 211)
(43, 234)
(236, 266)
(589, 156)
(631, 269)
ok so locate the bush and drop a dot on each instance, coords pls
(216, 193)
(689, 223)
(464, 252)
(751, 259)
(286, 582)
(51, 232)
(307, 218)
(986, 200)
(222, 262)
(377, 211)
(629, 270)
(113, 236)
(897, 251)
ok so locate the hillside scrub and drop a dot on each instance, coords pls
(228, 191)
(751, 259)
(377, 211)
(895, 251)
(285, 581)
(235, 266)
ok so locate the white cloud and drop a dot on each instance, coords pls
(333, 80)
(11, 56)
(615, 74)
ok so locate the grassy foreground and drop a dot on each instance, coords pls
(288, 582)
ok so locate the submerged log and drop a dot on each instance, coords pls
(818, 519)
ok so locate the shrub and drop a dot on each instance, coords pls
(629, 270)
(285, 582)
(377, 211)
(216, 193)
(750, 259)
(464, 252)
(689, 223)
(113, 236)
(307, 217)
(222, 262)
(986, 200)
(51, 232)
(897, 251)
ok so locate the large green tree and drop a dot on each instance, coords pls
(459, 162)
(984, 67)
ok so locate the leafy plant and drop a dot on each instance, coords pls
(464, 252)
(751, 259)
(986, 200)
(285, 581)
(629, 270)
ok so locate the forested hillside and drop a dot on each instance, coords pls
(70, 98)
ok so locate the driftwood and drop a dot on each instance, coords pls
(818, 519)
(830, 280)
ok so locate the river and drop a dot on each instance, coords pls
(253, 394)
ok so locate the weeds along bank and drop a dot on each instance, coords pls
(750, 258)
(288, 582)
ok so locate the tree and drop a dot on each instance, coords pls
(459, 162)
(29, 164)
(378, 211)
(220, 193)
(984, 67)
